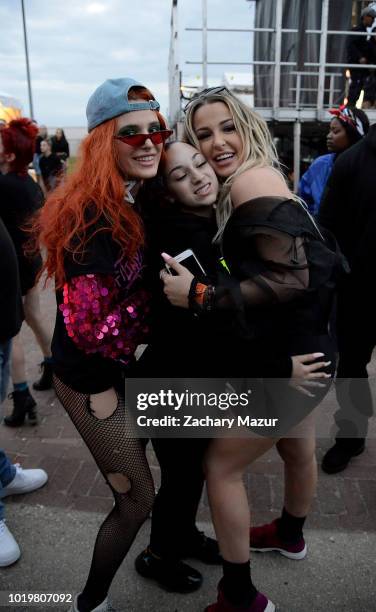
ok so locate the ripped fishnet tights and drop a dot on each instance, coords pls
(115, 451)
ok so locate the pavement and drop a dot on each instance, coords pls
(56, 526)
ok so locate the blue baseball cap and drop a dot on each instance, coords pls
(111, 100)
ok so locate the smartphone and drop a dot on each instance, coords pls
(188, 259)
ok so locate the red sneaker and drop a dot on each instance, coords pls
(259, 604)
(265, 539)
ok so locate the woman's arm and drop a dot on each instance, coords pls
(177, 289)
(277, 271)
(282, 261)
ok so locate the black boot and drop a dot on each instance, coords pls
(23, 405)
(337, 458)
(45, 381)
(171, 575)
(203, 548)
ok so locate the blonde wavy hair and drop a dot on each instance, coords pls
(258, 149)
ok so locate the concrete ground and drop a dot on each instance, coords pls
(338, 575)
(56, 526)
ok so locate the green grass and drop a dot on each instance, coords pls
(71, 164)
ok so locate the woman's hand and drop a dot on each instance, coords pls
(176, 288)
(305, 374)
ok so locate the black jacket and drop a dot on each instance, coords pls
(181, 344)
(20, 198)
(60, 148)
(358, 46)
(11, 312)
(348, 207)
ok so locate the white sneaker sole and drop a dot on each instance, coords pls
(5, 562)
(25, 489)
(9, 550)
(290, 555)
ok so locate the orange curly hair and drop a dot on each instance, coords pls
(98, 186)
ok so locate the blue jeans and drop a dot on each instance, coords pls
(7, 473)
(36, 165)
(5, 351)
(7, 470)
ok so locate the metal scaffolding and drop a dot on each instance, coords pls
(297, 112)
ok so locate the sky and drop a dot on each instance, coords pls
(75, 45)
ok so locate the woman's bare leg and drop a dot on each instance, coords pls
(33, 317)
(106, 426)
(225, 464)
(299, 458)
(18, 365)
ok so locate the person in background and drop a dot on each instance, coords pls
(359, 51)
(370, 81)
(20, 198)
(51, 166)
(60, 145)
(347, 127)
(348, 210)
(42, 135)
(13, 479)
(287, 167)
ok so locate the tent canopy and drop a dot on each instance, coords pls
(10, 107)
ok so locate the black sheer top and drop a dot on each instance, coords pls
(283, 271)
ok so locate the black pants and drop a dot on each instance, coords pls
(358, 79)
(356, 331)
(353, 391)
(182, 479)
(370, 88)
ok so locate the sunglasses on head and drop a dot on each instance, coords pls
(210, 91)
(138, 140)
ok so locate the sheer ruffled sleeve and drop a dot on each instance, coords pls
(99, 321)
(275, 270)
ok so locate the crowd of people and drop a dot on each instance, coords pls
(272, 272)
(50, 158)
(20, 197)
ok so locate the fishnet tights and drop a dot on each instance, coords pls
(115, 451)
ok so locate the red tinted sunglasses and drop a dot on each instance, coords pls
(138, 140)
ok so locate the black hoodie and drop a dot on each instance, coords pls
(181, 344)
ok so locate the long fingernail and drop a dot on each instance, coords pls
(327, 363)
(318, 354)
(166, 256)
